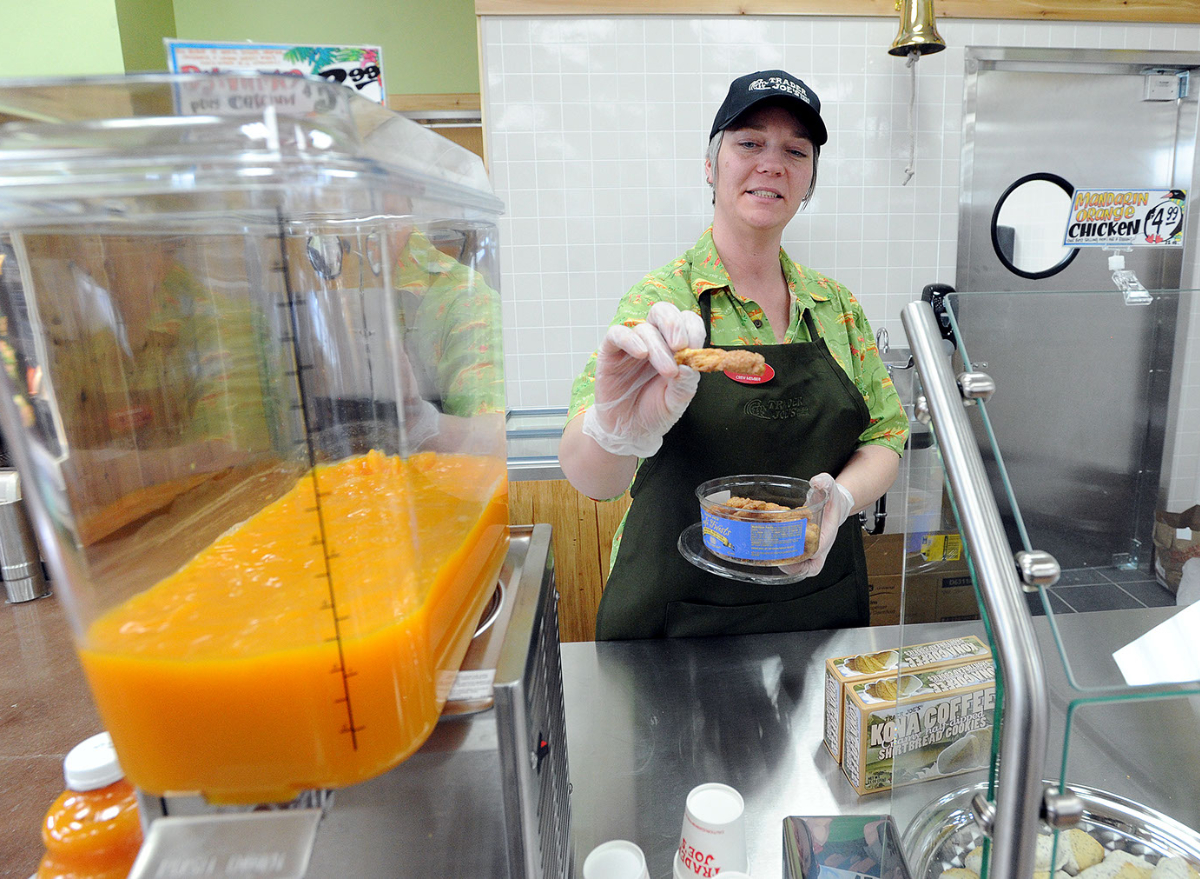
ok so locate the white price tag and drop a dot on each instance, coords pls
(1165, 654)
(470, 686)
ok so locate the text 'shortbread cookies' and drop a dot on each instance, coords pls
(720, 360)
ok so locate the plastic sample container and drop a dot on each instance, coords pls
(760, 519)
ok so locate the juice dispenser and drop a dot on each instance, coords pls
(257, 405)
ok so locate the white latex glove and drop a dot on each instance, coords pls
(421, 418)
(838, 504)
(421, 422)
(640, 390)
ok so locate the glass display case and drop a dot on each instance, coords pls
(256, 397)
(533, 435)
(1055, 421)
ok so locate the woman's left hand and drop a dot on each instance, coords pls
(838, 505)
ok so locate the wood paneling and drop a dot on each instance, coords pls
(1150, 11)
(451, 101)
(469, 136)
(581, 535)
(465, 135)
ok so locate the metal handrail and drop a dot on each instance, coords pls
(1024, 725)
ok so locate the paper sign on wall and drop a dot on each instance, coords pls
(1126, 218)
(358, 67)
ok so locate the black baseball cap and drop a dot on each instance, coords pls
(748, 90)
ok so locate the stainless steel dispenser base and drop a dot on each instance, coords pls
(487, 794)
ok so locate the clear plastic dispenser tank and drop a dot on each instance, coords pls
(255, 393)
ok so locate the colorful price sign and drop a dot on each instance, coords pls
(358, 67)
(1126, 218)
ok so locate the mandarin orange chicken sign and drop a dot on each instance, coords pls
(1126, 218)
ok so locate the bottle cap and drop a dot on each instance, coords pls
(92, 764)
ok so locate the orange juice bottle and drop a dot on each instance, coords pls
(92, 831)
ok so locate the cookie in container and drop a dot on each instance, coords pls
(760, 519)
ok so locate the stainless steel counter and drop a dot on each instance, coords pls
(647, 721)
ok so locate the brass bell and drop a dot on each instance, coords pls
(917, 31)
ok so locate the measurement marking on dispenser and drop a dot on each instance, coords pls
(292, 304)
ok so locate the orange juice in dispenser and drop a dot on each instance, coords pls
(266, 457)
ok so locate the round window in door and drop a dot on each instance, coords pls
(1029, 223)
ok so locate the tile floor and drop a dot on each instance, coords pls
(45, 710)
(1087, 589)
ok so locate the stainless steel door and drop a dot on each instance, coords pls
(1079, 412)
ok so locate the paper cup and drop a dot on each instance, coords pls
(681, 872)
(616, 859)
(713, 841)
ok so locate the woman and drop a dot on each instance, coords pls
(829, 413)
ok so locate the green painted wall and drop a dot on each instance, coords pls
(60, 38)
(143, 25)
(429, 46)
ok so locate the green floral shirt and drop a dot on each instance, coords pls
(838, 317)
(451, 320)
(203, 361)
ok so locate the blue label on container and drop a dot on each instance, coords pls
(753, 540)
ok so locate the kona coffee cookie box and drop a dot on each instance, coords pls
(934, 723)
(844, 671)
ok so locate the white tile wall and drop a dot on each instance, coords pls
(596, 131)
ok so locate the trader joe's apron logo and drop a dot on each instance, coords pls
(1126, 218)
(776, 410)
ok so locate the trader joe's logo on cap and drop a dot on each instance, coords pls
(780, 84)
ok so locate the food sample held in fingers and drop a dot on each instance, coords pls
(720, 360)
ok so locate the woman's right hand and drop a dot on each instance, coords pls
(640, 390)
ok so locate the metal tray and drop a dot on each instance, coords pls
(942, 833)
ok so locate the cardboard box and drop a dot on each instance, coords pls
(845, 671)
(939, 726)
(885, 554)
(884, 598)
(885, 564)
(931, 577)
(1176, 540)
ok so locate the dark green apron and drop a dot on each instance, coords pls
(803, 421)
